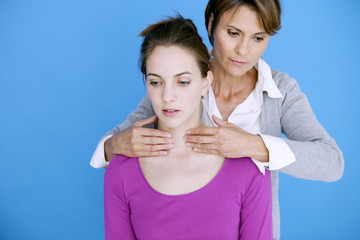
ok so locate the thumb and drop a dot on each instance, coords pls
(145, 122)
(220, 122)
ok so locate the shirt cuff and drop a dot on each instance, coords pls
(280, 154)
(261, 165)
(98, 158)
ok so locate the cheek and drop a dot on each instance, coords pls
(193, 96)
(154, 96)
(220, 44)
(260, 49)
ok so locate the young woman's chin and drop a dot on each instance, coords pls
(170, 124)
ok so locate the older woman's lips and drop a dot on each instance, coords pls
(237, 63)
(170, 112)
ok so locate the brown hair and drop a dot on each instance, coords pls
(269, 12)
(174, 31)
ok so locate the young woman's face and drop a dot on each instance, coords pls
(175, 86)
(239, 41)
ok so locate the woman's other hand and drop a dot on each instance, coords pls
(137, 141)
(227, 140)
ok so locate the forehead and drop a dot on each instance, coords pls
(171, 59)
(242, 17)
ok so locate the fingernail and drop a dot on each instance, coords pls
(171, 145)
(188, 132)
(163, 153)
(168, 135)
(195, 149)
(188, 144)
(185, 138)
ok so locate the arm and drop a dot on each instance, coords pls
(117, 213)
(317, 155)
(256, 208)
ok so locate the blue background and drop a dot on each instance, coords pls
(69, 73)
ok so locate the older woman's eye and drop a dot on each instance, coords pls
(259, 39)
(232, 33)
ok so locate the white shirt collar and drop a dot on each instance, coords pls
(265, 81)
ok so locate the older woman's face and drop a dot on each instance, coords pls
(239, 41)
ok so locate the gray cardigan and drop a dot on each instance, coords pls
(317, 155)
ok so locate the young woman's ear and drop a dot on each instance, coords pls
(207, 83)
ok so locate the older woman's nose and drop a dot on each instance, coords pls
(242, 48)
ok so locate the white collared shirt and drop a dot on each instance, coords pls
(246, 115)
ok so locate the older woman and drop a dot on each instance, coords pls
(251, 103)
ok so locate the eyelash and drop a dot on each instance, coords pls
(154, 83)
(258, 39)
(158, 83)
(234, 34)
(184, 83)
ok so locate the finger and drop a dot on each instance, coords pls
(207, 151)
(200, 139)
(149, 132)
(202, 131)
(153, 154)
(220, 122)
(204, 146)
(145, 122)
(153, 148)
(156, 140)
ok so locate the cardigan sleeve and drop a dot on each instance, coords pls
(143, 110)
(317, 155)
(117, 212)
(256, 207)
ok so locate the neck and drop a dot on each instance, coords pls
(177, 134)
(226, 86)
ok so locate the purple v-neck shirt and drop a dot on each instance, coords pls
(235, 204)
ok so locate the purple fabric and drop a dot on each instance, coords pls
(235, 204)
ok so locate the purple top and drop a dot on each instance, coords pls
(235, 204)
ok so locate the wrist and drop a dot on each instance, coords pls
(259, 149)
(108, 149)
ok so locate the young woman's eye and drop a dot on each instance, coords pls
(184, 82)
(154, 83)
(232, 33)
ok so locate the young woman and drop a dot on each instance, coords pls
(251, 104)
(185, 194)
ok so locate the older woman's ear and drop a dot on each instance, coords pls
(209, 26)
(207, 83)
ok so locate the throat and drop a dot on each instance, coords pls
(180, 150)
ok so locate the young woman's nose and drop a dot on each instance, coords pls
(169, 93)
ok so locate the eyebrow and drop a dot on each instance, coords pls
(183, 73)
(176, 75)
(242, 31)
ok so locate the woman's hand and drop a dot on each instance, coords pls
(137, 141)
(226, 140)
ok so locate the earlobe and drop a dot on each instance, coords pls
(207, 83)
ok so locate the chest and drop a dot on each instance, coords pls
(180, 177)
(212, 212)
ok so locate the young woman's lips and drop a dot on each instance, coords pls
(170, 112)
(238, 63)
